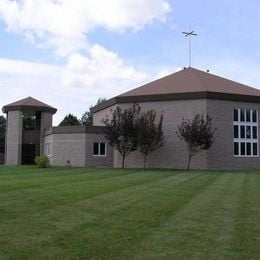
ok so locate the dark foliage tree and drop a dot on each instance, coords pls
(2, 134)
(2, 127)
(87, 117)
(69, 120)
(197, 133)
(150, 133)
(31, 123)
(121, 130)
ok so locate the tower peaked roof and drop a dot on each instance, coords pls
(29, 103)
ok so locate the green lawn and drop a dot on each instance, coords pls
(81, 213)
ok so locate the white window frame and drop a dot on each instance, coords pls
(245, 140)
(48, 149)
(99, 145)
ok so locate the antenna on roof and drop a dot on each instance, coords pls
(189, 34)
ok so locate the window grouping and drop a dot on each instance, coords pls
(99, 149)
(245, 132)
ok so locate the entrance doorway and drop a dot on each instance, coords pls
(29, 152)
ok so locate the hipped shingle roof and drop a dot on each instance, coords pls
(29, 103)
(188, 83)
(192, 80)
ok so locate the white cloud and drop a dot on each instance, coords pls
(101, 70)
(25, 68)
(19, 79)
(63, 24)
(72, 87)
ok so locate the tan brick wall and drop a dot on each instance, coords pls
(46, 122)
(69, 147)
(221, 153)
(48, 139)
(98, 116)
(78, 149)
(14, 138)
(174, 153)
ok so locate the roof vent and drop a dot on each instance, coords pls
(208, 71)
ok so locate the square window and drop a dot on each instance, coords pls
(235, 115)
(99, 149)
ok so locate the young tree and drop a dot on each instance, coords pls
(150, 134)
(87, 117)
(121, 130)
(197, 133)
(69, 120)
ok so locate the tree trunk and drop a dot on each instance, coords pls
(123, 161)
(144, 166)
(190, 155)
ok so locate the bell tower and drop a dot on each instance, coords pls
(26, 121)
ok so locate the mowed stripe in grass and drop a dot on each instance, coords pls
(68, 215)
(205, 227)
(127, 214)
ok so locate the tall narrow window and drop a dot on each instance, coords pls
(235, 115)
(245, 123)
(242, 115)
(242, 132)
(48, 149)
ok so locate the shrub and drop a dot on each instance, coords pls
(42, 161)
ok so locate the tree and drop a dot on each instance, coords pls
(150, 134)
(2, 134)
(2, 127)
(87, 117)
(197, 133)
(121, 130)
(69, 120)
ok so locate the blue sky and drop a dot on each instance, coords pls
(68, 53)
